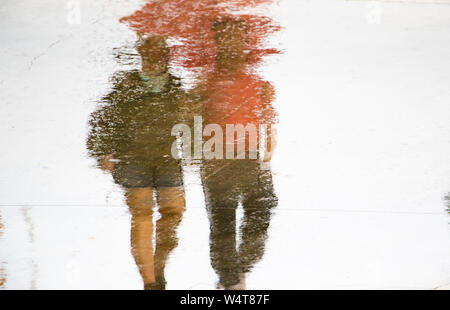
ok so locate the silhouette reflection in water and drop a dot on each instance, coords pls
(130, 138)
(233, 95)
(130, 133)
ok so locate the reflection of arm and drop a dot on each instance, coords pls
(271, 142)
(107, 123)
(101, 137)
(269, 116)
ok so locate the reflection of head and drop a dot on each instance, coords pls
(155, 55)
(232, 40)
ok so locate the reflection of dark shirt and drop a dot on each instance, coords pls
(134, 124)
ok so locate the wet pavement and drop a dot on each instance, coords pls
(350, 190)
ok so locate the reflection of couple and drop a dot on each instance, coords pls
(130, 136)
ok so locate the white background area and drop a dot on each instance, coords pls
(361, 168)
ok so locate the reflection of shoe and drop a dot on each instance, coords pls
(240, 286)
(159, 285)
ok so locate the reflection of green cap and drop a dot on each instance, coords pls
(157, 83)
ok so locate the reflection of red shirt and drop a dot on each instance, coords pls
(243, 99)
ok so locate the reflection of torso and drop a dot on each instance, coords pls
(234, 101)
(148, 129)
(238, 100)
(135, 124)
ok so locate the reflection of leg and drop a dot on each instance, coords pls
(220, 187)
(223, 244)
(140, 201)
(254, 234)
(171, 207)
(223, 241)
(258, 202)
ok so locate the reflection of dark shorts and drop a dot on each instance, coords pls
(133, 176)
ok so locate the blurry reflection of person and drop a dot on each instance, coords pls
(131, 138)
(233, 95)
